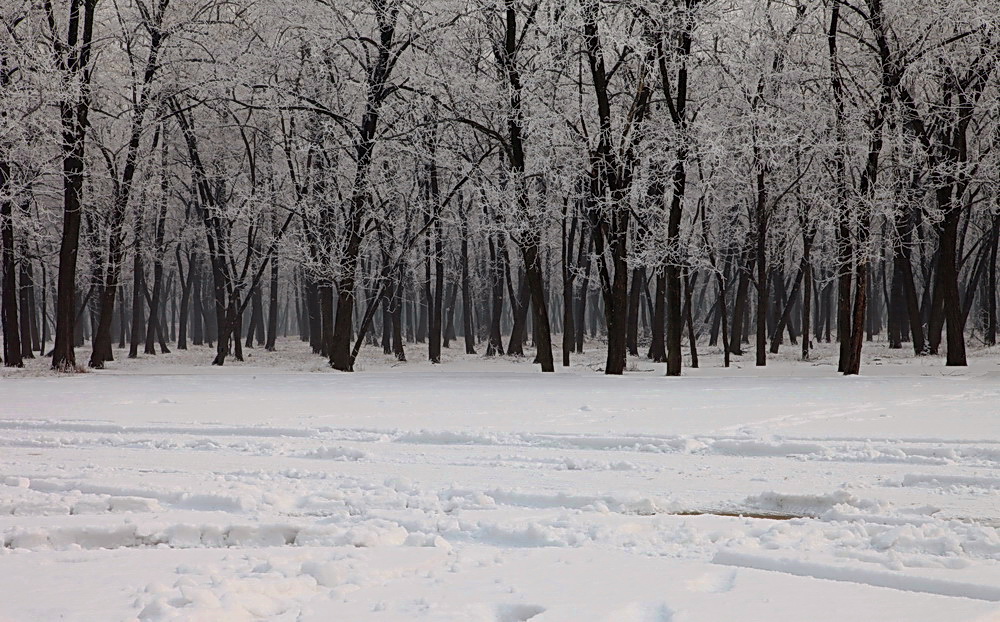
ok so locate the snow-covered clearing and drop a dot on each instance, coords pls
(164, 489)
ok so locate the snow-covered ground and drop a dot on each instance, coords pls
(165, 489)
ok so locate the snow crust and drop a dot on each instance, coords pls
(162, 489)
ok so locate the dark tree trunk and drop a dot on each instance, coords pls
(154, 325)
(161, 326)
(326, 317)
(397, 318)
(377, 90)
(314, 315)
(387, 292)
(12, 356)
(519, 301)
(762, 280)
(740, 306)
(807, 291)
(123, 189)
(948, 268)
(632, 331)
(536, 289)
(497, 269)
(182, 320)
(689, 284)
(611, 177)
(426, 295)
(676, 261)
(569, 275)
(449, 333)
(896, 307)
(74, 115)
(272, 314)
(29, 325)
(658, 346)
(991, 287)
(786, 310)
(255, 328)
(435, 298)
(467, 329)
(137, 288)
(580, 306)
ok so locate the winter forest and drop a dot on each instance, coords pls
(658, 310)
(655, 176)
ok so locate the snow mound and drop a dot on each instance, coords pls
(344, 454)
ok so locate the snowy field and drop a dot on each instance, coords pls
(483, 490)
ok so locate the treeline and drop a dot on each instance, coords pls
(655, 175)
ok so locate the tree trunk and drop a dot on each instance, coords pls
(632, 331)
(397, 318)
(658, 347)
(786, 310)
(182, 321)
(158, 250)
(74, 116)
(807, 291)
(689, 284)
(198, 311)
(467, 328)
(740, 306)
(762, 280)
(326, 318)
(137, 287)
(29, 325)
(12, 356)
(495, 344)
(272, 314)
(991, 288)
(947, 266)
(540, 317)
(580, 306)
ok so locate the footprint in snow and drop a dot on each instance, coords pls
(517, 612)
(712, 582)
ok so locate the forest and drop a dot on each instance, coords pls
(507, 177)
